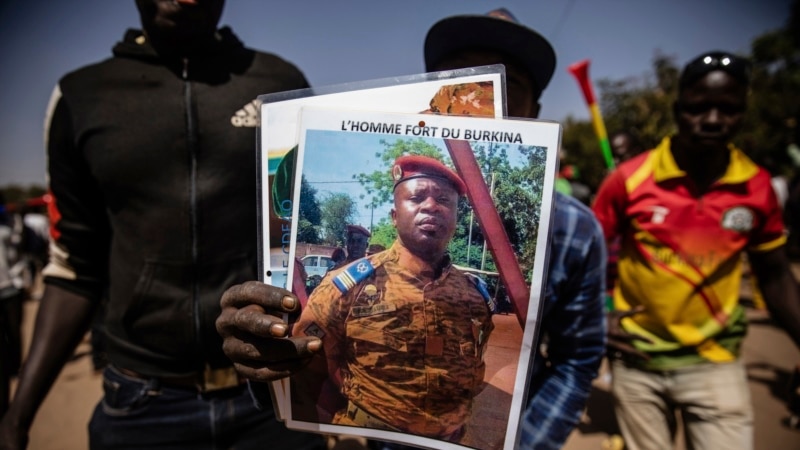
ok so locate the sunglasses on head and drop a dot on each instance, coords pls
(735, 66)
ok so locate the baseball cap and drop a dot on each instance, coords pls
(497, 30)
(416, 166)
(735, 66)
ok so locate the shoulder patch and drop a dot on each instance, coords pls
(483, 289)
(354, 273)
(738, 218)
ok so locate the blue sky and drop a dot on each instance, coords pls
(351, 40)
(334, 175)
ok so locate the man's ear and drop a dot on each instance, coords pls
(393, 214)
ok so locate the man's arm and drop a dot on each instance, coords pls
(61, 322)
(255, 335)
(775, 279)
(74, 278)
(256, 339)
(609, 208)
(575, 326)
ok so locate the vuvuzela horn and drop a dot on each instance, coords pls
(580, 70)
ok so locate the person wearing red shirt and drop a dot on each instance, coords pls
(685, 212)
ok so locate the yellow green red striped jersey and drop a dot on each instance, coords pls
(681, 253)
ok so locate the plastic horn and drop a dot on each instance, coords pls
(580, 70)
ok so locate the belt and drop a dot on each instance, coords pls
(209, 381)
(365, 419)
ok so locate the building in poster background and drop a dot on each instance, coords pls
(407, 332)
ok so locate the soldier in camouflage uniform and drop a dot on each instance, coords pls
(403, 331)
(356, 242)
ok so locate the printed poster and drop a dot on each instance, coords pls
(429, 339)
(472, 91)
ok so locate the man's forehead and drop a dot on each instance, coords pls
(716, 80)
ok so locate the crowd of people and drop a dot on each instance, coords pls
(23, 253)
(159, 234)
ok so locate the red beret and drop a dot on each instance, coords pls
(358, 229)
(416, 166)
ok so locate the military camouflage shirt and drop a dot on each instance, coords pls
(409, 353)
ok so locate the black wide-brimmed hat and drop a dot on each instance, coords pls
(499, 31)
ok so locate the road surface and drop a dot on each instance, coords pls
(769, 356)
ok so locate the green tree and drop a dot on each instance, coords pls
(17, 193)
(337, 211)
(517, 192)
(582, 150)
(384, 233)
(773, 112)
(641, 105)
(310, 216)
(519, 201)
(379, 184)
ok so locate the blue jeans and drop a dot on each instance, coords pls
(136, 414)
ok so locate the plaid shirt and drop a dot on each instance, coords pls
(573, 328)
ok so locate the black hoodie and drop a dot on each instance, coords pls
(153, 171)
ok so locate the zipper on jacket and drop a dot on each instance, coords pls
(191, 142)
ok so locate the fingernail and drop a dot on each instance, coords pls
(278, 330)
(289, 302)
(314, 345)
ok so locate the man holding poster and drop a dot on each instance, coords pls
(403, 331)
(152, 176)
(572, 317)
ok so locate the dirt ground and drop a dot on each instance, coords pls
(768, 354)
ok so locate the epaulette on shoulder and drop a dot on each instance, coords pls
(483, 289)
(352, 274)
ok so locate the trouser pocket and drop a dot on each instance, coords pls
(125, 395)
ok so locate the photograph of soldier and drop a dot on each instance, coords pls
(403, 330)
(356, 242)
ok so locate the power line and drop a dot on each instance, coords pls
(564, 15)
